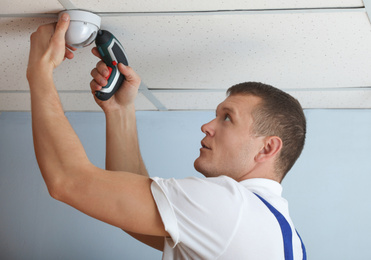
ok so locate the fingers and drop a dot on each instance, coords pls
(102, 69)
(100, 72)
(48, 41)
(96, 52)
(69, 54)
(98, 78)
(71, 48)
(99, 75)
(40, 39)
(94, 86)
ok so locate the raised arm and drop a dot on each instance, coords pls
(122, 146)
(122, 199)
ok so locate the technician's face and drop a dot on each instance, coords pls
(229, 146)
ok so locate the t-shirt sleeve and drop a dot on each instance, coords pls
(200, 213)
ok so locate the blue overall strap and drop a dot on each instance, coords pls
(286, 232)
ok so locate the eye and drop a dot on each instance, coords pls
(227, 118)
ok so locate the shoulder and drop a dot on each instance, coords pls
(202, 185)
(197, 209)
(211, 193)
(219, 181)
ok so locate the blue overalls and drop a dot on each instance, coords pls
(286, 232)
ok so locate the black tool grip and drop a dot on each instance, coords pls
(107, 95)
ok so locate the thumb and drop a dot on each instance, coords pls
(130, 75)
(57, 46)
(61, 28)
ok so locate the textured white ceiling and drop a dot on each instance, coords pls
(196, 5)
(49, 6)
(27, 7)
(188, 56)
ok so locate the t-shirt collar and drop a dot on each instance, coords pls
(263, 185)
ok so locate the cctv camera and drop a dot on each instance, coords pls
(83, 28)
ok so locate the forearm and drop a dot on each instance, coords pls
(122, 146)
(123, 154)
(57, 147)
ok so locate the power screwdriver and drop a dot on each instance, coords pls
(112, 54)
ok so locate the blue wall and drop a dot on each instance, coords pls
(328, 188)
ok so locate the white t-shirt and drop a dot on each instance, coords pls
(219, 218)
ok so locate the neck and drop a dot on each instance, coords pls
(260, 172)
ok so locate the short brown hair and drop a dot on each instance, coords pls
(278, 114)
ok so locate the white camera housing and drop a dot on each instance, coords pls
(83, 28)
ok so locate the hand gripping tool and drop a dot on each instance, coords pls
(112, 54)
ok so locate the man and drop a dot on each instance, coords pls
(245, 155)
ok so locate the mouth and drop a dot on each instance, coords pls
(205, 146)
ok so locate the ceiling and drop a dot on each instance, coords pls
(189, 52)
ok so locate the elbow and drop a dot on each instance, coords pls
(65, 183)
(70, 183)
(55, 187)
(63, 171)
(54, 178)
(54, 193)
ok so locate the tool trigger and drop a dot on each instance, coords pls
(109, 72)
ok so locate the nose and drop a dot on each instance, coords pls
(209, 128)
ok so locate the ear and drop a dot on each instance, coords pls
(272, 146)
